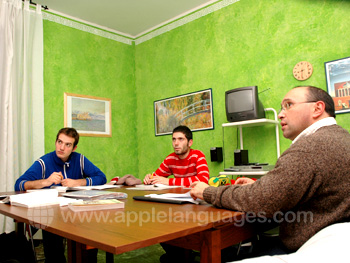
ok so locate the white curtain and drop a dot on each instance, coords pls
(21, 93)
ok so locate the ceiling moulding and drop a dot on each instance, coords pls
(94, 29)
(87, 28)
(182, 21)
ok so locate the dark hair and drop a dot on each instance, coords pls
(185, 130)
(71, 132)
(317, 94)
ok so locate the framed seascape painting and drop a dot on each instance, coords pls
(89, 115)
(338, 83)
(195, 110)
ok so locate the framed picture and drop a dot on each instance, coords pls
(338, 83)
(195, 110)
(89, 115)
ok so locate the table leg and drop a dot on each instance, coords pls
(19, 228)
(211, 246)
(109, 257)
(76, 252)
(70, 251)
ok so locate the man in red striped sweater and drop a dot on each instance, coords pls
(187, 165)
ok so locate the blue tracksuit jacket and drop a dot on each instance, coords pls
(76, 167)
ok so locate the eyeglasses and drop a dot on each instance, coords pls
(287, 105)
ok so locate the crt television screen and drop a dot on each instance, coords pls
(240, 101)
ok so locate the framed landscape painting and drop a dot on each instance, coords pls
(89, 115)
(338, 83)
(195, 110)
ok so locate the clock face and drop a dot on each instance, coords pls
(302, 70)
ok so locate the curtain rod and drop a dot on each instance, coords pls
(32, 3)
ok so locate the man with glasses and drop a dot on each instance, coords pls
(308, 188)
(63, 167)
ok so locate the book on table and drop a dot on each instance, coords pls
(95, 194)
(39, 198)
(91, 205)
(172, 198)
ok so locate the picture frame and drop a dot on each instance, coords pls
(195, 110)
(89, 115)
(338, 83)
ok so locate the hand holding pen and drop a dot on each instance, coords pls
(159, 180)
(148, 178)
(55, 178)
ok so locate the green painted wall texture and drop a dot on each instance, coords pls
(82, 63)
(247, 43)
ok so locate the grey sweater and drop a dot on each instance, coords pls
(306, 191)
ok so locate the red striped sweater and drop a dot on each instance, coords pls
(186, 171)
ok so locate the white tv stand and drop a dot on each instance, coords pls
(251, 123)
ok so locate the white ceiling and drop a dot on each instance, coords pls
(130, 18)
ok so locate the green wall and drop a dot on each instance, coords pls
(82, 63)
(247, 43)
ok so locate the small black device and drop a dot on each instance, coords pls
(216, 154)
(241, 157)
(243, 104)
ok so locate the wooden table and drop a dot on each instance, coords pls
(139, 224)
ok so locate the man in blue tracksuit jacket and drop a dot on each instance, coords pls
(62, 167)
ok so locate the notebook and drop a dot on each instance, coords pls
(169, 198)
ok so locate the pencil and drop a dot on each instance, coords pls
(151, 175)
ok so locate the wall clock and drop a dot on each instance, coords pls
(302, 70)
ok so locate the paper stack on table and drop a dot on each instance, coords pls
(43, 197)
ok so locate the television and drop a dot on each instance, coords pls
(243, 104)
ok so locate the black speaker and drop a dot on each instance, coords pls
(216, 154)
(241, 157)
